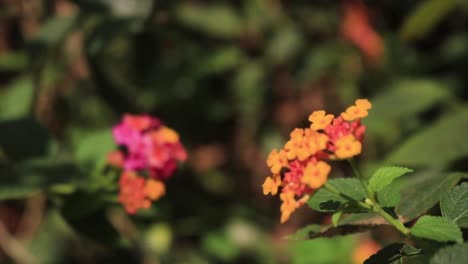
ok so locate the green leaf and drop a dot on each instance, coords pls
(426, 16)
(388, 125)
(285, 44)
(217, 20)
(393, 254)
(384, 176)
(219, 245)
(303, 233)
(56, 29)
(22, 139)
(221, 60)
(92, 148)
(451, 254)
(47, 244)
(389, 196)
(321, 60)
(13, 61)
(129, 9)
(325, 250)
(336, 218)
(325, 201)
(101, 230)
(440, 143)
(17, 100)
(249, 91)
(402, 93)
(33, 176)
(423, 190)
(436, 228)
(454, 205)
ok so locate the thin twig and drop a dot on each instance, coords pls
(13, 248)
(31, 218)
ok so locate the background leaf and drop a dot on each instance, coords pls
(214, 20)
(387, 122)
(454, 205)
(33, 176)
(426, 16)
(451, 254)
(423, 190)
(17, 99)
(332, 250)
(439, 144)
(93, 147)
(23, 138)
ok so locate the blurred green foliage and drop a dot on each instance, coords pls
(233, 78)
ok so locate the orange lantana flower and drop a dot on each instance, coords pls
(277, 160)
(357, 111)
(315, 175)
(320, 120)
(347, 147)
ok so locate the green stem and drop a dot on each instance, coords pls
(353, 166)
(371, 206)
(394, 222)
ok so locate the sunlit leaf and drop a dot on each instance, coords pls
(436, 228)
(325, 201)
(384, 176)
(389, 196)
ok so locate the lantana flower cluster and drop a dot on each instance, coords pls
(148, 155)
(300, 167)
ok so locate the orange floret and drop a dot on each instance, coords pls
(154, 189)
(360, 110)
(315, 175)
(165, 134)
(347, 147)
(304, 143)
(288, 206)
(277, 160)
(271, 185)
(320, 120)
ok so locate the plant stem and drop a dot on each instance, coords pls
(370, 203)
(353, 166)
(394, 222)
(371, 206)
